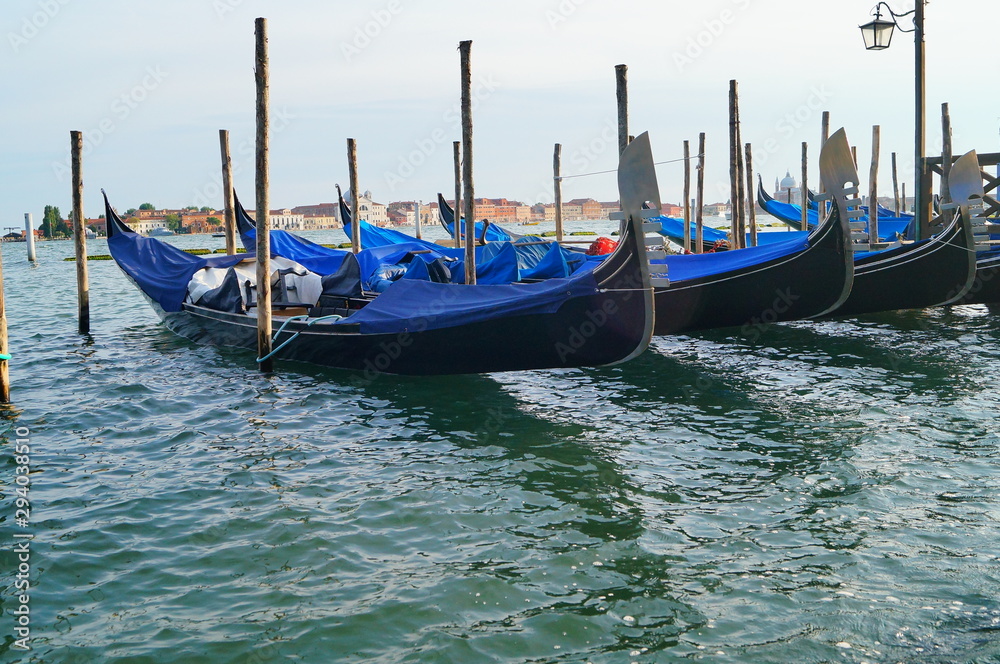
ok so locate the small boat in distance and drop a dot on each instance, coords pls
(159, 232)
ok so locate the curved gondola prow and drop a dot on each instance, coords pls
(114, 223)
(627, 267)
(965, 183)
(245, 224)
(346, 218)
(446, 216)
(763, 198)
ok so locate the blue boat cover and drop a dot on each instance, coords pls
(683, 267)
(493, 234)
(888, 227)
(674, 229)
(413, 306)
(373, 236)
(162, 270)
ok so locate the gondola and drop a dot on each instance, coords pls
(598, 316)
(966, 187)
(799, 278)
(889, 228)
(802, 277)
(985, 288)
(927, 273)
(484, 232)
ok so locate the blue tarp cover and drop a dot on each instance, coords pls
(693, 266)
(162, 270)
(888, 227)
(412, 306)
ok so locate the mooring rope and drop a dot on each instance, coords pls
(615, 170)
(294, 336)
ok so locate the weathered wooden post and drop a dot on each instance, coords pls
(228, 200)
(80, 233)
(29, 236)
(687, 196)
(263, 203)
(352, 167)
(902, 197)
(804, 192)
(821, 207)
(621, 94)
(895, 187)
(468, 191)
(4, 349)
(751, 201)
(945, 154)
(457, 225)
(873, 191)
(557, 186)
(734, 165)
(699, 206)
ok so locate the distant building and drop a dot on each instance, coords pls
(500, 210)
(372, 212)
(589, 208)
(787, 190)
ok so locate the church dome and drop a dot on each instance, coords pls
(788, 182)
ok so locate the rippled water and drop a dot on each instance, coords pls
(827, 493)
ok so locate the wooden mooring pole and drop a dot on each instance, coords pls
(456, 228)
(895, 187)
(352, 167)
(4, 349)
(261, 75)
(945, 154)
(687, 197)
(621, 94)
(734, 165)
(699, 206)
(80, 232)
(557, 186)
(873, 191)
(228, 200)
(468, 190)
(804, 193)
(29, 236)
(751, 201)
(821, 208)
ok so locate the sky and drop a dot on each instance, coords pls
(151, 84)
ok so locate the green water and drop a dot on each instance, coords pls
(827, 493)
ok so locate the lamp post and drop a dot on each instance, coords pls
(877, 35)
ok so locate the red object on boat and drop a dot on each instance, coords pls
(601, 246)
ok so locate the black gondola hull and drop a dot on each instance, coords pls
(587, 331)
(803, 285)
(928, 273)
(985, 287)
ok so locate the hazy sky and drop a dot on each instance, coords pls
(151, 83)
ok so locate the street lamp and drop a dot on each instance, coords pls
(877, 35)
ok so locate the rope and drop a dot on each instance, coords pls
(615, 170)
(294, 336)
